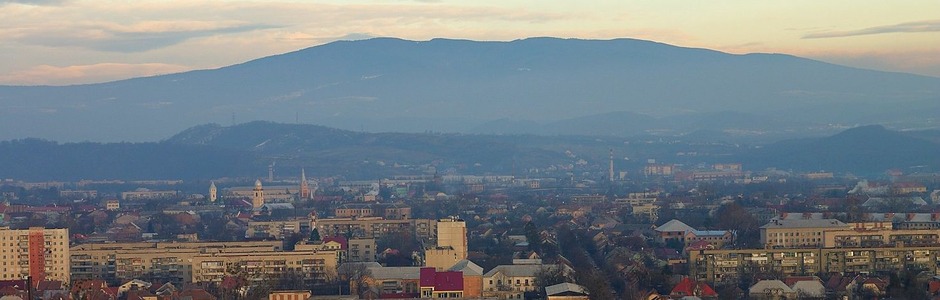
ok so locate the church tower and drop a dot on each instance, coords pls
(213, 192)
(304, 188)
(610, 174)
(257, 200)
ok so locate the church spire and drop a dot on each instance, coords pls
(213, 192)
(304, 187)
(257, 200)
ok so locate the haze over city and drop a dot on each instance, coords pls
(498, 150)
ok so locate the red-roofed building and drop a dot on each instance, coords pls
(340, 240)
(93, 289)
(445, 284)
(687, 287)
(933, 287)
(700, 245)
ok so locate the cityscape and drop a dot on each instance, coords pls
(661, 232)
(498, 150)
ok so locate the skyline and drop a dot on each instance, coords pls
(60, 42)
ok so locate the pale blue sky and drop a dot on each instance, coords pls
(75, 41)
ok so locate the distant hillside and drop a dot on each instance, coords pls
(866, 150)
(246, 150)
(327, 150)
(34, 159)
(728, 126)
(385, 84)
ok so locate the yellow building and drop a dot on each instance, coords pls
(170, 261)
(512, 281)
(798, 233)
(452, 232)
(289, 295)
(199, 262)
(257, 196)
(40, 253)
(273, 229)
(261, 266)
(451, 244)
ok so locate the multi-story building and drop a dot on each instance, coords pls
(170, 262)
(798, 233)
(828, 233)
(512, 281)
(727, 265)
(274, 229)
(200, 262)
(374, 227)
(441, 284)
(463, 280)
(112, 204)
(260, 266)
(677, 232)
(452, 232)
(654, 169)
(392, 211)
(727, 167)
(588, 198)
(645, 207)
(361, 250)
(289, 295)
(147, 194)
(451, 244)
(277, 193)
(78, 194)
(40, 253)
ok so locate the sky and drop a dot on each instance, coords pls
(61, 42)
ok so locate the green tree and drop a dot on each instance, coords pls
(532, 236)
(315, 235)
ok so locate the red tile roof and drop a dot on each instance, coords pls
(344, 244)
(687, 287)
(441, 281)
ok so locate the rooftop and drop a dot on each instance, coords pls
(805, 223)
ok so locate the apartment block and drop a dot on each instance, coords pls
(40, 253)
(169, 262)
(726, 265)
(374, 227)
(274, 229)
(828, 233)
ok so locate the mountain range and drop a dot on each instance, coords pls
(546, 86)
(246, 150)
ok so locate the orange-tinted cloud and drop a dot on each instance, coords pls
(919, 26)
(52, 75)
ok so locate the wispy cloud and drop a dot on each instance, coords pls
(925, 62)
(46, 74)
(920, 26)
(132, 38)
(33, 2)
